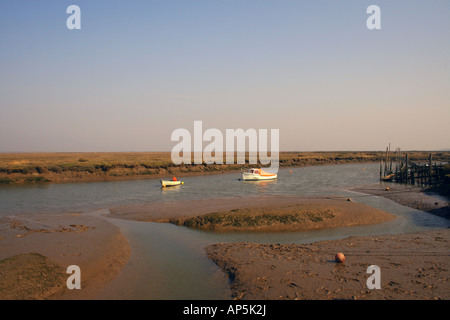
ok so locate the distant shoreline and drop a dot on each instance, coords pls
(17, 168)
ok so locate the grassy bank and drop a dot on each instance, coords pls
(307, 214)
(69, 167)
(245, 219)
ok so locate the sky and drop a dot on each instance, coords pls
(138, 70)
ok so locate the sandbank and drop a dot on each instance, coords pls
(413, 266)
(308, 212)
(35, 251)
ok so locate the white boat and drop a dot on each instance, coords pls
(256, 174)
(171, 183)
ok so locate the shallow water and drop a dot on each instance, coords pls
(58, 197)
(169, 262)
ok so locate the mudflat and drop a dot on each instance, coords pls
(411, 196)
(35, 251)
(265, 214)
(307, 214)
(412, 266)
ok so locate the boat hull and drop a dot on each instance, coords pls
(389, 177)
(257, 177)
(170, 183)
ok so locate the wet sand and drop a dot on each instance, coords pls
(413, 197)
(413, 266)
(36, 250)
(343, 212)
(303, 214)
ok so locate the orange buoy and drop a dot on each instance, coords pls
(387, 189)
(339, 257)
(290, 171)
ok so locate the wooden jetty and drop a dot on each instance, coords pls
(395, 167)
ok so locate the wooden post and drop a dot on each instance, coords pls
(386, 162)
(406, 168)
(429, 170)
(390, 159)
(381, 160)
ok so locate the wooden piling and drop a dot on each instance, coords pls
(406, 168)
(423, 173)
(429, 170)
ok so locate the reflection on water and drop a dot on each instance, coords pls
(168, 262)
(168, 190)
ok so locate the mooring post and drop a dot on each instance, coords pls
(429, 170)
(381, 157)
(386, 163)
(390, 159)
(406, 172)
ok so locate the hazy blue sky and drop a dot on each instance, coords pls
(137, 70)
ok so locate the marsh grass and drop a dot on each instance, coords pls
(243, 218)
(6, 180)
(36, 180)
(55, 166)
